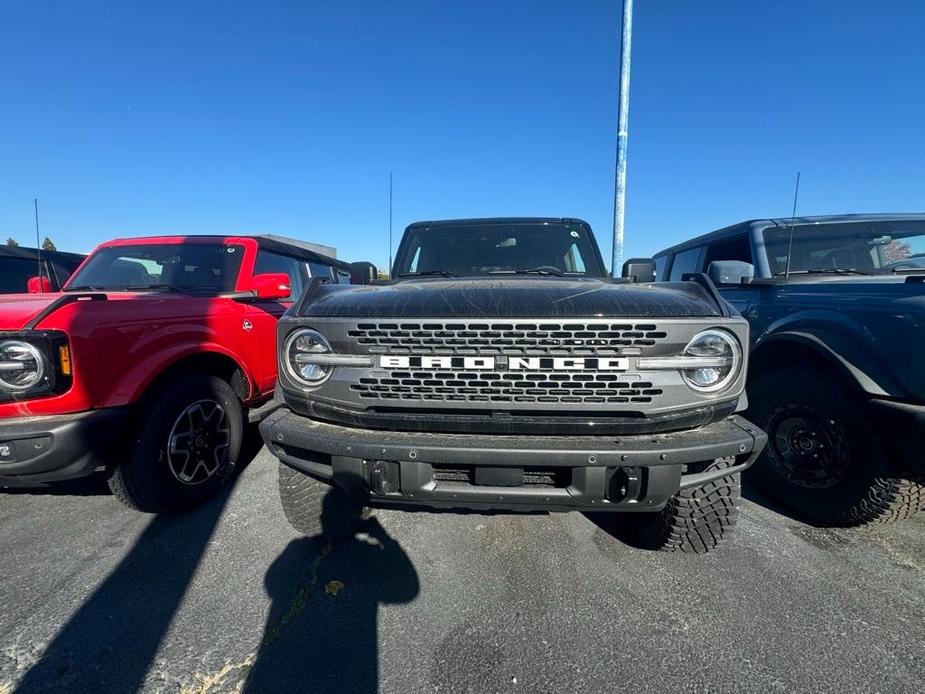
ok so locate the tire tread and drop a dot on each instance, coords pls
(695, 521)
(890, 500)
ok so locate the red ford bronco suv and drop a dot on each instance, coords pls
(147, 361)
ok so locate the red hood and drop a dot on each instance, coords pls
(18, 309)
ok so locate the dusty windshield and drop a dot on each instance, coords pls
(199, 267)
(465, 250)
(864, 247)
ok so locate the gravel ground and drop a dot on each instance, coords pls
(98, 598)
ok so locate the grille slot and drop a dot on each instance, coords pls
(505, 387)
(516, 338)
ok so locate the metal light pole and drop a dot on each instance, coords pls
(390, 224)
(619, 206)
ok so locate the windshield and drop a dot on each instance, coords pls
(848, 246)
(201, 267)
(464, 250)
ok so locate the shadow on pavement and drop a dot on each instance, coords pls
(321, 633)
(752, 491)
(95, 485)
(110, 642)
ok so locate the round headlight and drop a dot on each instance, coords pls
(722, 351)
(22, 366)
(300, 347)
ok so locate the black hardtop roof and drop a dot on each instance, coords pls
(485, 221)
(303, 249)
(31, 253)
(786, 221)
(277, 244)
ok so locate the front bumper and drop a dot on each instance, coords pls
(902, 426)
(627, 473)
(36, 450)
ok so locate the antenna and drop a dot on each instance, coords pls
(38, 245)
(796, 195)
(390, 223)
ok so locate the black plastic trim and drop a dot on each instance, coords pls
(63, 300)
(520, 423)
(734, 436)
(73, 445)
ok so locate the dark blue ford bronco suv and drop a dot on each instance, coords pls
(837, 378)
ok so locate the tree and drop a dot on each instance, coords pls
(48, 245)
(11, 242)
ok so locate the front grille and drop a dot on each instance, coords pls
(597, 338)
(511, 387)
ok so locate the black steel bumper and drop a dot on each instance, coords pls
(36, 450)
(902, 427)
(482, 472)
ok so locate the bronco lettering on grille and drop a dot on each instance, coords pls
(511, 363)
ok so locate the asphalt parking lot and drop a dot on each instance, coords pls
(228, 598)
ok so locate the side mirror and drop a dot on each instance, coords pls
(639, 270)
(363, 272)
(271, 285)
(38, 285)
(727, 272)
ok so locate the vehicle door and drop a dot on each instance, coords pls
(262, 316)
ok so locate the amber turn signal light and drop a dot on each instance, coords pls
(64, 359)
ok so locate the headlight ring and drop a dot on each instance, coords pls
(713, 343)
(22, 366)
(297, 357)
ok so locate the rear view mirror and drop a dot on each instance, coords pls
(271, 285)
(38, 285)
(730, 272)
(363, 272)
(639, 270)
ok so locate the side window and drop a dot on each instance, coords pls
(319, 270)
(415, 260)
(573, 260)
(737, 248)
(273, 262)
(661, 262)
(684, 262)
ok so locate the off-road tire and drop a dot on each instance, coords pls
(873, 489)
(317, 509)
(694, 521)
(890, 500)
(143, 479)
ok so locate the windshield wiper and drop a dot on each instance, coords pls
(187, 289)
(426, 273)
(826, 271)
(530, 271)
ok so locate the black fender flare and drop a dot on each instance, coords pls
(851, 359)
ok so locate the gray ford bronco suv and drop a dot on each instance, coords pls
(837, 310)
(501, 368)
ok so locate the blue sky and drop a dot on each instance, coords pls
(131, 118)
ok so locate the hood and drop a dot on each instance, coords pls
(16, 310)
(510, 298)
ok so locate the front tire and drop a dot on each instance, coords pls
(824, 460)
(694, 521)
(186, 447)
(315, 508)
